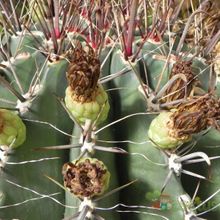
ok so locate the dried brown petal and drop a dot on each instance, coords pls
(216, 54)
(180, 88)
(87, 177)
(194, 116)
(83, 71)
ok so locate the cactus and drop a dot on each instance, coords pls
(105, 106)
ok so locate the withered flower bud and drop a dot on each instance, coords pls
(83, 72)
(87, 177)
(195, 116)
(170, 129)
(216, 54)
(181, 88)
(85, 98)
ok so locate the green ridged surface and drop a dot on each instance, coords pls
(45, 108)
(150, 175)
(22, 42)
(155, 58)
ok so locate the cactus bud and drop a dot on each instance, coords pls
(159, 132)
(171, 129)
(12, 129)
(84, 97)
(87, 177)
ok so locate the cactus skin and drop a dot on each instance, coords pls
(155, 55)
(20, 43)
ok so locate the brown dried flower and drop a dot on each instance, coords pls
(181, 88)
(83, 72)
(195, 116)
(87, 177)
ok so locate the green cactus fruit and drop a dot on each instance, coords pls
(168, 130)
(12, 129)
(96, 109)
(85, 98)
(159, 132)
(87, 177)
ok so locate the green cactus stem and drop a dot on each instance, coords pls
(44, 110)
(162, 64)
(151, 173)
(41, 41)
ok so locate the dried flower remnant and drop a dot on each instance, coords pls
(195, 116)
(183, 86)
(205, 26)
(85, 98)
(87, 177)
(216, 54)
(83, 72)
(170, 129)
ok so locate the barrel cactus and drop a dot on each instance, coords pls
(109, 110)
